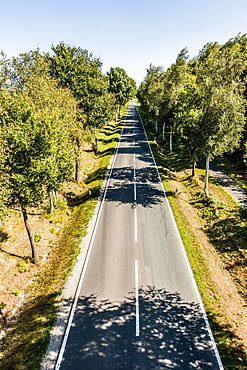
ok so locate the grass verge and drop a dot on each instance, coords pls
(24, 346)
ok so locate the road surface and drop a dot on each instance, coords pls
(137, 305)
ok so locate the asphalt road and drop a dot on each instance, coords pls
(137, 306)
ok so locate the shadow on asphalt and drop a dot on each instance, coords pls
(121, 190)
(172, 334)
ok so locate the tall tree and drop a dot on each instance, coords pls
(54, 106)
(80, 72)
(121, 86)
(20, 160)
(174, 80)
(151, 91)
(211, 109)
(38, 127)
(187, 119)
(77, 70)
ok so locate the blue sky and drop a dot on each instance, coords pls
(126, 34)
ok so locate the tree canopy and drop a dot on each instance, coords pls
(121, 86)
(204, 99)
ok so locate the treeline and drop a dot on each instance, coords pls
(47, 103)
(201, 100)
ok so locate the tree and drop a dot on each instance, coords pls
(4, 69)
(56, 109)
(151, 91)
(158, 93)
(77, 70)
(174, 80)
(20, 160)
(204, 99)
(210, 114)
(121, 86)
(187, 119)
(38, 127)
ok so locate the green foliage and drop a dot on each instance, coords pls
(4, 70)
(37, 238)
(20, 165)
(77, 70)
(61, 204)
(150, 92)
(204, 98)
(23, 267)
(16, 292)
(38, 123)
(121, 86)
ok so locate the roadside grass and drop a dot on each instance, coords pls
(225, 225)
(24, 346)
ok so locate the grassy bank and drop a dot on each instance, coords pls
(223, 223)
(24, 346)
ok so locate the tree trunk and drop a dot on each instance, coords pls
(117, 111)
(77, 170)
(193, 167)
(171, 139)
(163, 130)
(30, 236)
(156, 127)
(96, 148)
(55, 196)
(51, 199)
(206, 178)
(77, 162)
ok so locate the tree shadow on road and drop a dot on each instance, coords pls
(172, 334)
(148, 191)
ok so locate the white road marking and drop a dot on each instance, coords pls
(134, 183)
(137, 300)
(135, 223)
